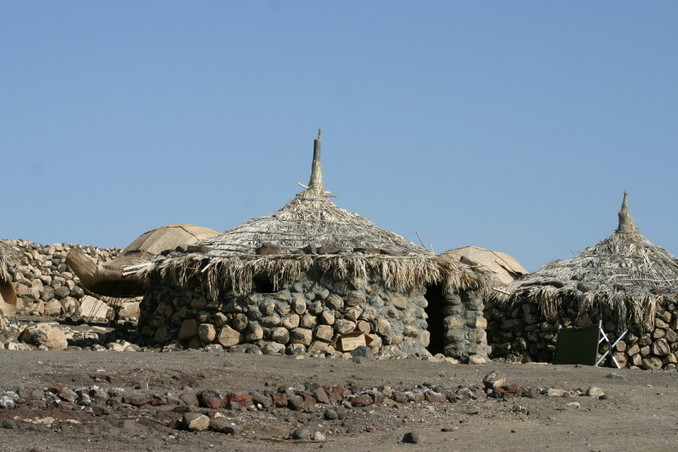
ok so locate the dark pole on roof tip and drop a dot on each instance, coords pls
(316, 147)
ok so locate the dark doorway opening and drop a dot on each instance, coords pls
(434, 310)
(262, 283)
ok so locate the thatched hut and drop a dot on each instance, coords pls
(306, 277)
(624, 280)
(8, 299)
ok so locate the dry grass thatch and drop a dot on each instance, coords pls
(8, 257)
(625, 276)
(311, 233)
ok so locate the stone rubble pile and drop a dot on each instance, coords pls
(28, 335)
(205, 410)
(521, 333)
(45, 286)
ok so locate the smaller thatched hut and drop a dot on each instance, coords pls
(624, 280)
(307, 276)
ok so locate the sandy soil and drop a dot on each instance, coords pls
(639, 409)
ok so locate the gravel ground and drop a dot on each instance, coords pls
(148, 400)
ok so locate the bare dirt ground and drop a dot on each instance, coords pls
(638, 411)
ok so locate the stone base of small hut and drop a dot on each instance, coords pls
(520, 333)
(311, 315)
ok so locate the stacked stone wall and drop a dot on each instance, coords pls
(465, 325)
(306, 318)
(44, 284)
(521, 333)
(309, 317)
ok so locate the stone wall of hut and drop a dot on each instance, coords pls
(308, 317)
(520, 333)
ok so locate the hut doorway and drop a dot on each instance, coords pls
(434, 310)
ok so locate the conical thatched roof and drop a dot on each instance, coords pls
(311, 232)
(625, 275)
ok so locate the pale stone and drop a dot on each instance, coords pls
(369, 313)
(267, 307)
(410, 331)
(335, 302)
(317, 347)
(94, 310)
(383, 327)
(239, 322)
(634, 350)
(280, 335)
(652, 362)
(364, 326)
(477, 359)
(254, 332)
(353, 313)
(478, 336)
(375, 342)
(45, 335)
(554, 392)
(196, 422)
(299, 306)
(661, 347)
(399, 302)
(291, 321)
(344, 326)
(327, 318)
(53, 308)
(207, 332)
(271, 320)
(324, 333)
(425, 338)
(308, 321)
(229, 337)
(452, 322)
(636, 360)
(130, 310)
(396, 339)
(355, 298)
(481, 322)
(670, 359)
(301, 336)
(594, 392)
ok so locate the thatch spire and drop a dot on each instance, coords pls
(626, 223)
(315, 188)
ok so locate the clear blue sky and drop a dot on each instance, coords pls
(514, 126)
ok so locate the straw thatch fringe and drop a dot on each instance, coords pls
(237, 274)
(8, 257)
